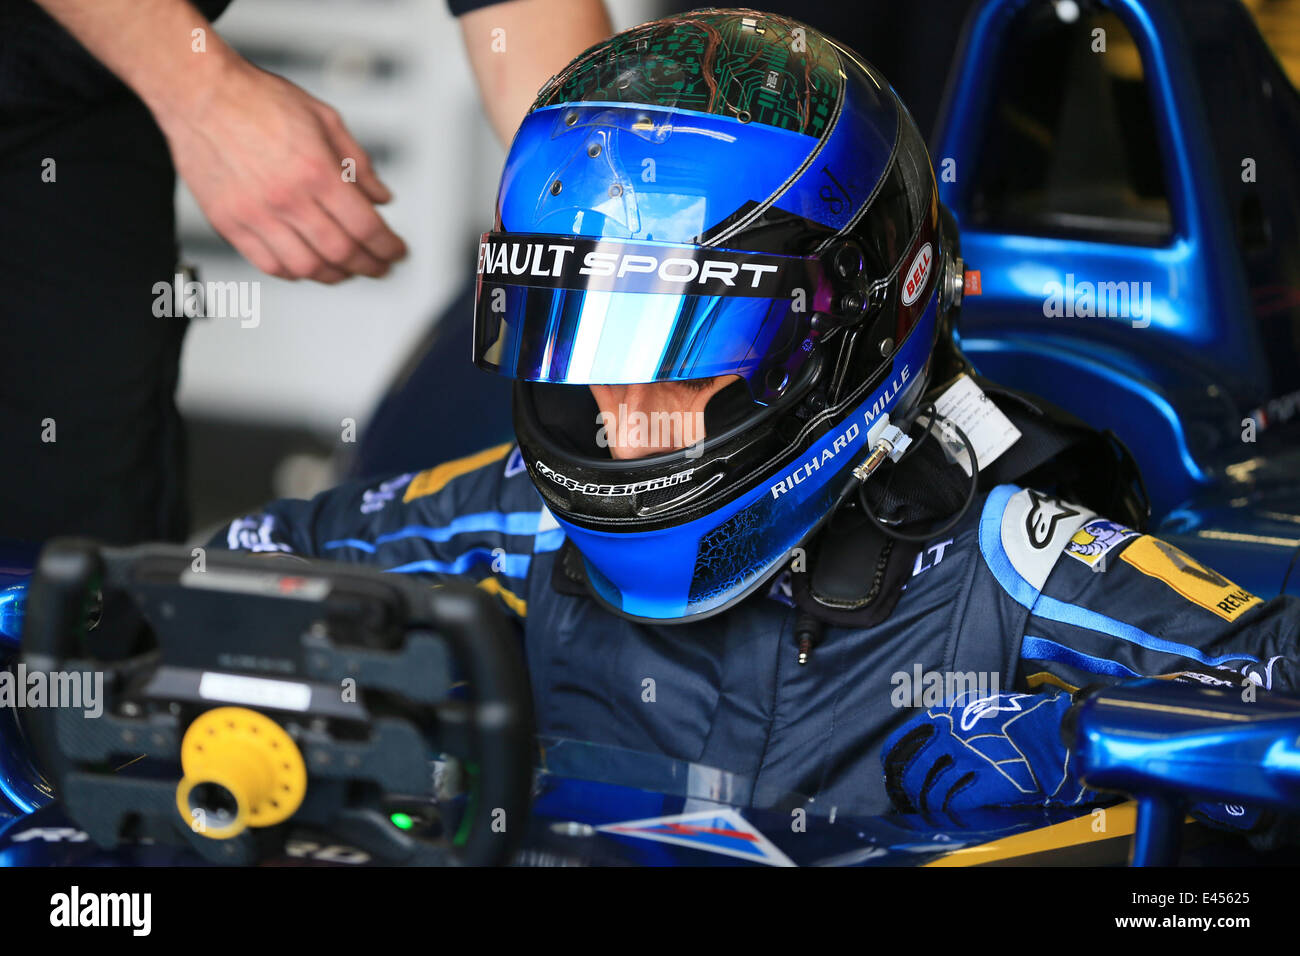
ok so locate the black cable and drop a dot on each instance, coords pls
(961, 513)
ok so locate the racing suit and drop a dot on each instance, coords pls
(1025, 591)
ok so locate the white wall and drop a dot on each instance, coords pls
(321, 354)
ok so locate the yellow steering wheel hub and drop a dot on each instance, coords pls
(241, 770)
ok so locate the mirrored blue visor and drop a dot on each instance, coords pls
(577, 310)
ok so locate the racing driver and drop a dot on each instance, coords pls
(755, 482)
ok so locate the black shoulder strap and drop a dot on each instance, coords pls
(1061, 453)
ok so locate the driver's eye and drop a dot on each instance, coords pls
(698, 384)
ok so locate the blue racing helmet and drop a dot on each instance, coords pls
(724, 192)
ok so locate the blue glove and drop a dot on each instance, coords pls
(955, 764)
(952, 764)
(1230, 816)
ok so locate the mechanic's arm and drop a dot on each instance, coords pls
(516, 46)
(265, 160)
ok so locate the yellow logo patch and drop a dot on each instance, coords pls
(1189, 577)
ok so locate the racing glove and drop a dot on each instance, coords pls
(953, 764)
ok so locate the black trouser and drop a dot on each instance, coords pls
(83, 359)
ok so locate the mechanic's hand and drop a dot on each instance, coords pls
(265, 161)
(952, 764)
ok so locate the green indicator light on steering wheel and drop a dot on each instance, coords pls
(402, 821)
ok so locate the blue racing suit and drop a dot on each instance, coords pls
(1026, 591)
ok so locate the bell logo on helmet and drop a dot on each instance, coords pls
(917, 274)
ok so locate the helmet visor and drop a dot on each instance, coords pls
(575, 310)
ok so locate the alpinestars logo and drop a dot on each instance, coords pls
(988, 705)
(1043, 517)
(597, 490)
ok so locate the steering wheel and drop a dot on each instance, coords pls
(271, 697)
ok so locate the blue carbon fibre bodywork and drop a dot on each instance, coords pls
(1197, 286)
(19, 790)
(16, 563)
(1153, 735)
(1176, 384)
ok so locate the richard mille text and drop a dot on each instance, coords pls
(843, 440)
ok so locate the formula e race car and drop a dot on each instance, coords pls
(236, 709)
(258, 711)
